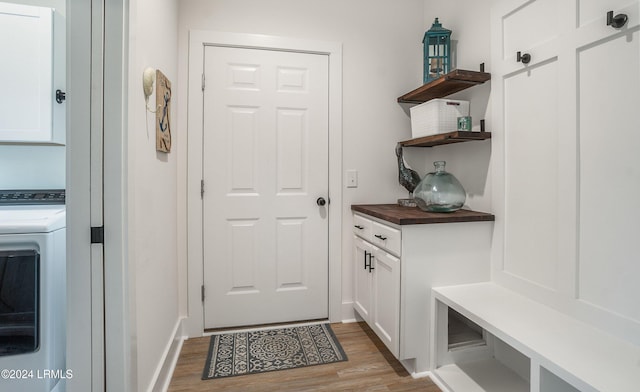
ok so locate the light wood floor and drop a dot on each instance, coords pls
(371, 367)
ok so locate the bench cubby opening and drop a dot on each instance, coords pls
(470, 359)
(529, 346)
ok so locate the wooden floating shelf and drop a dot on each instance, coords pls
(454, 81)
(446, 138)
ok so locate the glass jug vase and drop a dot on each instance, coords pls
(439, 191)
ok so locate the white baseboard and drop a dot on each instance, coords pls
(164, 372)
(349, 321)
(348, 314)
(422, 375)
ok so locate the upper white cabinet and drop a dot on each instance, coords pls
(26, 76)
(565, 157)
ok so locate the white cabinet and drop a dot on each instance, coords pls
(27, 111)
(377, 283)
(396, 265)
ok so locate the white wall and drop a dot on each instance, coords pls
(152, 189)
(33, 166)
(470, 37)
(381, 61)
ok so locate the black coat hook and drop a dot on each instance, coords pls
(616, 21)
(524, 58)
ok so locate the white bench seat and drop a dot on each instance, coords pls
(583, 356)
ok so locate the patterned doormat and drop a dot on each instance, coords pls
(235, 354)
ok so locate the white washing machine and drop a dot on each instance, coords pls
(32, 291)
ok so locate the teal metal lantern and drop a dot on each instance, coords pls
(437, 52)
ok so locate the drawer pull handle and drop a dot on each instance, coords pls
(371, 267)
(365, 259)
(358, 227)
(380, 236)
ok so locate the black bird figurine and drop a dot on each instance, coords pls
(407, 177)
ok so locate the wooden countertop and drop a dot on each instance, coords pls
(414, 216)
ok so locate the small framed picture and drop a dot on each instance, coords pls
(163, 113)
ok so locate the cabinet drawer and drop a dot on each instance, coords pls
(362, 227)
(386, 237)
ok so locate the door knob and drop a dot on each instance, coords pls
(321, 201)
(616, 21)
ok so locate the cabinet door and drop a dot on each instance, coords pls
(386, 300)
(26, 73)
(362, 278)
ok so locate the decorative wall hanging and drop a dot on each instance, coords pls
(163, 105)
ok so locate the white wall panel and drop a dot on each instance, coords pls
(535, 22)
(567, 177)
(609, 135)
(531, 178)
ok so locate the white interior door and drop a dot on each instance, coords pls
(265, 165)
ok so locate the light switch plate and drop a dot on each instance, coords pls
(352, 178)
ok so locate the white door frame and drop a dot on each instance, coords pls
(100, 316)
(197, 40)
(79, 198)
(120, 351)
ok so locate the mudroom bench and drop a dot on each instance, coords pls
(508, 342)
